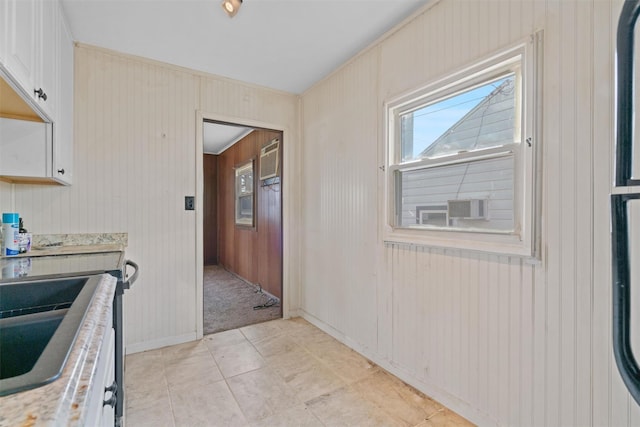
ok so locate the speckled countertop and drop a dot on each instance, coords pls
(67, 244)
(64, 401)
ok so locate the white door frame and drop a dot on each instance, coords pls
(286, 191)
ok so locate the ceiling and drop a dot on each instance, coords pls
(286, 45)
(217, 137)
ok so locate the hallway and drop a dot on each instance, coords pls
(230, 302)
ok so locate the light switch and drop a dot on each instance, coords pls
(189, 203)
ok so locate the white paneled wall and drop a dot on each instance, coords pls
(135, 160)
(6, 203)
(340, 196)
(500, 339)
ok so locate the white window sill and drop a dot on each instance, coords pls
(500, 243)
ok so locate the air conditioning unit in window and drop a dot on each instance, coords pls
(468, 209)
(269, 159)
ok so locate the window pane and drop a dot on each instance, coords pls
(244, 180)
(474, 195)
(479, 118)
(244, 194)
(245, 207)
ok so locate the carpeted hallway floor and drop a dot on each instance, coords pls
(229, 302)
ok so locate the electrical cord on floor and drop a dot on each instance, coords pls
(270, 303)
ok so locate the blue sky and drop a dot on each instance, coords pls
(432, 121)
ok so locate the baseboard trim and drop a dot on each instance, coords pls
(162, 342)
(441, 396)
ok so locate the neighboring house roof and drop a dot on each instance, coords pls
(488, 124)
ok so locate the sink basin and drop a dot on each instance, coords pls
(24, 338)
(17, 299)
(39, 322)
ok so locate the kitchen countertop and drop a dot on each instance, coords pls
(15, 269)
(69, 244)
(64, 401)
(69, 250)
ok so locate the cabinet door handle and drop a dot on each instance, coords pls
(40, 93)
(61, 171)
(111, 388)
(111, 401)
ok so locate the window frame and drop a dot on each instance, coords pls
(240, 220)
(525, 59)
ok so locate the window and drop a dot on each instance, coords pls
(431, 215)
(461, 155)
(244, 194)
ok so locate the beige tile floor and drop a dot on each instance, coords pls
(277, 373)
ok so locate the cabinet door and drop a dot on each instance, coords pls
(108, 411)
(25, 148)
(63, 143)
(47, 58)
(4, 29)
(99, 414)
(22, 29)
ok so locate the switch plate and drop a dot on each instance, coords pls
(189, 203)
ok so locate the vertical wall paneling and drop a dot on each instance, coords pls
(503, 340)
(340, 201)
(129, 139)
(583, 202)
(210, 202)
(234, 102)
(6, 195)
(253, 253)
(135, 156)
(562, 409)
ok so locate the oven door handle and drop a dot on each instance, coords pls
(620, 258)
(625, 91)
(622, 349)
(131, 279)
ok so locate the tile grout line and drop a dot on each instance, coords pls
(166, 385)
(224, 378)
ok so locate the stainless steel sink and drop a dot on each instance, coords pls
(39, 322)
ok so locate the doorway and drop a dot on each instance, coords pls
(242, 225)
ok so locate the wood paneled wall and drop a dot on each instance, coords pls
(502, 340)
(210, 209)
(254, 253)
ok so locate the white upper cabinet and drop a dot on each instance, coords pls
(36, 61)
(22, 29)
(4, 29)
(47, 65)
(63, 131)
(31, 49)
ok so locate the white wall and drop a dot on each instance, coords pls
(6, 203)
(135, 160)
(499, 339)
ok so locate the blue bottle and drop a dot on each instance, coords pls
(10, 234)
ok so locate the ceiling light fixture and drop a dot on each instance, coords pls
(231, 7)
